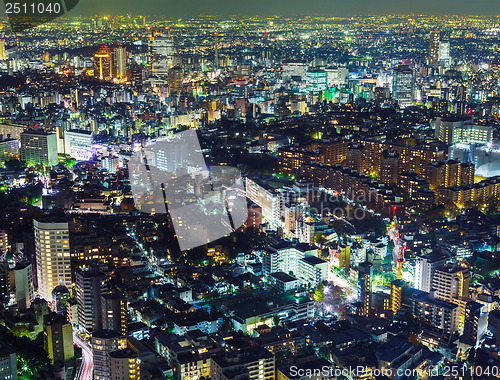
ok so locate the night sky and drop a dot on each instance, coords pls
(287, 7)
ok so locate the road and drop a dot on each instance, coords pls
(343, 283)
(85, 372)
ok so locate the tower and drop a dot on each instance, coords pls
(114, 312)
(23, 277)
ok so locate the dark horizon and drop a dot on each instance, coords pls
(294, 8)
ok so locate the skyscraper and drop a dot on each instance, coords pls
(39, 148)
(90, 284)
(434, 41)
(53, 261)
(175, 78)
(450, 282)
(103, 66)
(162, 51)
(365, 287)
(119, 63)
(403, 86)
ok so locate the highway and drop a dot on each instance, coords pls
(85, 372)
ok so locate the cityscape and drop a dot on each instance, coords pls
(237, 197)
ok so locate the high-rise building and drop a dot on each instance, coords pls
(396, 295)
(3, 54)
(53, 261)
(119, 63)
(39, 148)
(355, 157)
(90, 284)
(403, 86)
(103, 64)
(475, 323)
(58, 338)
(389, 167)
(162, 51)
(4, 282)
(23, 277)
(450, 282)
(8, 362)
(444, 53)
(365, 287)
(434, 42)
(104, 342)
(124, 365)
(425, 267)
(114, 312)
(175, 78)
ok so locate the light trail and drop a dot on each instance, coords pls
(85, 372)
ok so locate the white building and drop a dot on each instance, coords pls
(312, 270)
(78, 144)
(53, 260)
(23, 277)
(425, 267)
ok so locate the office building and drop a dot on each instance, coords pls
(90, 285)
(119, 63)
(114, 312)
(39, 148)
(103, 64)
(162, 51)
(58, 338)
(23, 277)
(175, 78)
(452, 130)
(78, 144)
(103, 342)
(294, 70)
(434, 45)
(124, 365)
(315, 80)
(403, 86)
(53, 261)
(365, 287)
(425, 267)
